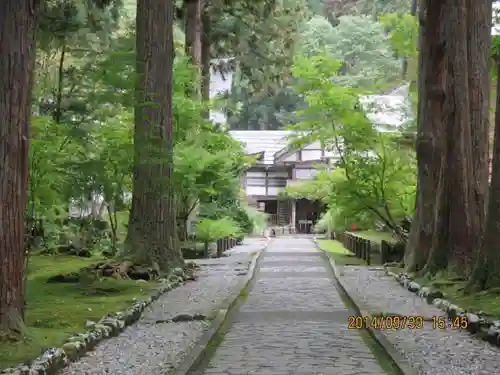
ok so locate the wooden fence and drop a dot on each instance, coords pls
(369, 251)
(391, 252)
(224, 244)
(358, 246)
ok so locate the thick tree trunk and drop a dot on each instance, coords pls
(479, 22)
(487, 271)
(18, 24)
(457, 222)
(206, 43)
(151, 236)
(479, 57)
(193, 30)
(431, 94)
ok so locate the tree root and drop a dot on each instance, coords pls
(123, 269)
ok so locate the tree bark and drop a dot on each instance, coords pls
(487, 271)
(206, 43)
(479, 18)
(193, 30)
(151, 236)
(18, 25)
(456, 221)
(431, 94)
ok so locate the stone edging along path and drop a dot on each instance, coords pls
(111, 325)
(476, 324)
(198, 352)
(402, 364)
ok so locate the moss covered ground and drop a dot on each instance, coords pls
(54, 311)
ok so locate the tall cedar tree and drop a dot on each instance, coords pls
(206, 43)
(487, 272)
(193, 30)
(431, 90)
(457, 223)
(152, 236)
(18, 24)
(479, 19)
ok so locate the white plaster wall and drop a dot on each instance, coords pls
(255, 190)
(311, 155)
(272, 190)
(256, 174)
(305, 174)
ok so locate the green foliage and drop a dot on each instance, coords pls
(380, 7)
(326, 223)
(206, 166)
(264, 54)
(360, 43)
(257, 218)
(317, 36)
(495, 47)
(403, 33)
(347, 30)
(243, 220)
(47, 176)
(209, 230)
(374, 178)
(107, 168)
(83, 145)
(254, 36)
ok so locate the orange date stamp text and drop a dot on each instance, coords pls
(385, 322)
(406, 322)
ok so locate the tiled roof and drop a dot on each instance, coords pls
(267, 141)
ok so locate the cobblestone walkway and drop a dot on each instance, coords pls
(293, 321)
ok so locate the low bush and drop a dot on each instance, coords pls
(258, 219)
(210, 230)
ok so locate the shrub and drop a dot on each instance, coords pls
(243, 220)
(257, 218)
(210, 230)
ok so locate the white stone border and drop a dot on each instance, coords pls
(477, 324)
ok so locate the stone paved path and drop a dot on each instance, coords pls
(293, 321)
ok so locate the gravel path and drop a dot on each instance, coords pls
(430, 351)
(153, 347)
(293, 321)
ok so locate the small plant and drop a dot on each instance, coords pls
(209, 230)
(258, 219)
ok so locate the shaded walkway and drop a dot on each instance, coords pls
(293, 322)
